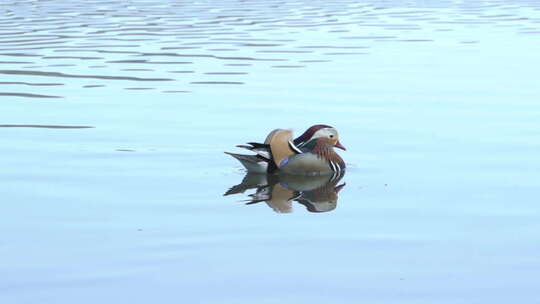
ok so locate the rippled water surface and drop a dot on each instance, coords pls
(114, 116)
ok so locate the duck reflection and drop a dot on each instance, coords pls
(316, 193)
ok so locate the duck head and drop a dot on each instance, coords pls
(320, 131)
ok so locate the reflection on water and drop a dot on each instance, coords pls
(316, 193)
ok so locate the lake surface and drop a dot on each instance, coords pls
(115, 114)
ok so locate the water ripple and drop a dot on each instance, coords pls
(46, 126)
(58, 74)
(30, 95)
(119, 37)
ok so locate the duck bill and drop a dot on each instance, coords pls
(339, 145)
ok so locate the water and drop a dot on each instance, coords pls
(114, 117)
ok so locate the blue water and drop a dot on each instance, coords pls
(436, 102)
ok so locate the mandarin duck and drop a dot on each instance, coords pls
(312, 153)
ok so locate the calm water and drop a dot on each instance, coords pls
(436, 101)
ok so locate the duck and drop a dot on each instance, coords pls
(311, 153)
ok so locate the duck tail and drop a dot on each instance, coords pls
(252, 163)
(261, 149)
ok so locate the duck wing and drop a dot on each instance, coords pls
(281, 145)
